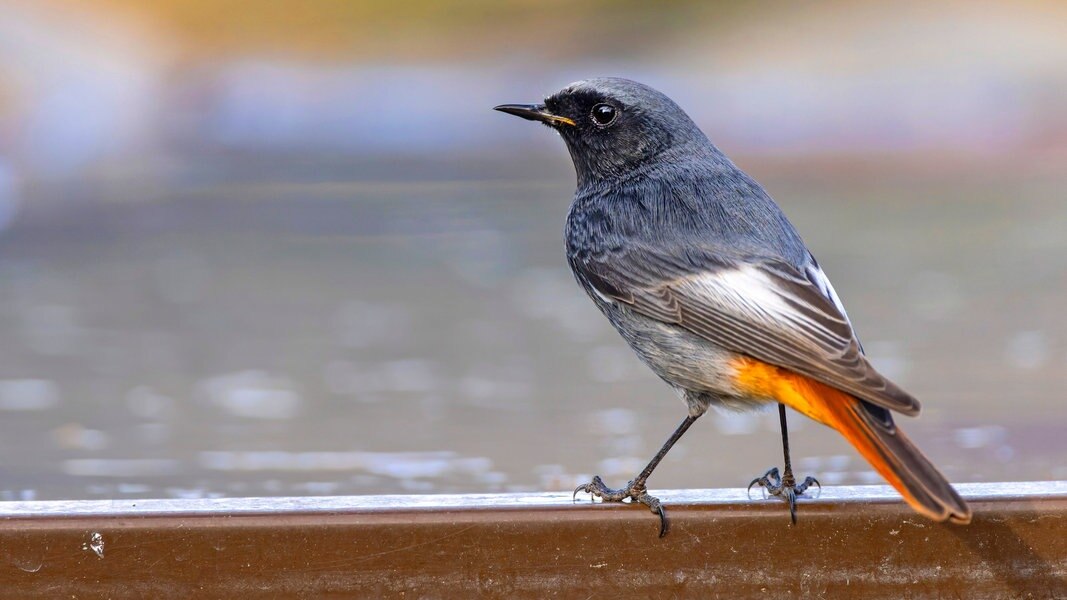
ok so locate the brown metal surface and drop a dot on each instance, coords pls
(851, 543)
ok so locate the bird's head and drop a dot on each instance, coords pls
(612, 126)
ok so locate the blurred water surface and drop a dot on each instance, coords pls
(371, 332)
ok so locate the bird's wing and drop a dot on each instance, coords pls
(764, 308)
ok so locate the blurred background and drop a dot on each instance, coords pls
(286, 248)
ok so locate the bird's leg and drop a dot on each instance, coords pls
(784, 486)
(635, 490)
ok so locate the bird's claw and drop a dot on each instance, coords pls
(785, 488)
(634, 490)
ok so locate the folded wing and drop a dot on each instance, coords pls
(763, 308)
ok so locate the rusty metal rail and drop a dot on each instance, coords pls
(852, 542)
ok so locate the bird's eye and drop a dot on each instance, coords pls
(604, 114)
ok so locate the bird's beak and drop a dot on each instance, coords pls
(534, 112)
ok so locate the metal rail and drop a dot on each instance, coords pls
(852, 542)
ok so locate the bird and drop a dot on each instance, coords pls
(710, 284)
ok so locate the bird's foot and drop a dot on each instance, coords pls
(635, 491)
(784, 487)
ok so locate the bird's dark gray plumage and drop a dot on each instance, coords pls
(697, 267)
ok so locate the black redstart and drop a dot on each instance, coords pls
(711, 285)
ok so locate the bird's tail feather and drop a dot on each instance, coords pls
(893, 455)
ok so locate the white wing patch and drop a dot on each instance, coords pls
(746, 288)
(821, 281)
(753, 295)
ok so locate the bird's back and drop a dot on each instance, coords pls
(693, 203)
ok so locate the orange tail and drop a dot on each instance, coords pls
(884, 446)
